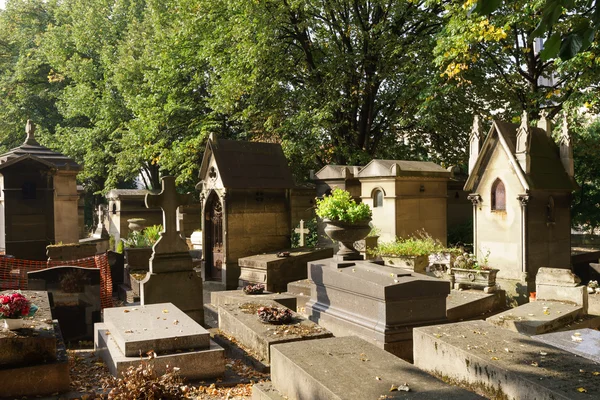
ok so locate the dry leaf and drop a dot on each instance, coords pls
(125, 311)
(394, 388)
(595, 373)
(378, 378)
(495, 358)
(165, 311)
(581, 390)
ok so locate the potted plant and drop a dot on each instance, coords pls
(138, 247)
(467, 271)
(411, 253)
(13, 307)
(346, 221)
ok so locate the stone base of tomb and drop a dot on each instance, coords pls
(301, 290)
(182, 288)
(463, 305)
(347, 368)
(378, 303)
(128, 334)
(274, 271)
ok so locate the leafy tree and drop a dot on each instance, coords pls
(586, 147)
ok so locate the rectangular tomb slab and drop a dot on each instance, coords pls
(473, 304)
(538, 317)
(241, 322)
(192, 364)
(503, 364)
(161, 327)
(583, 342)
(351, 368)
(239, 297)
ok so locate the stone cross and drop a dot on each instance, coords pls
(169, 200)
(100, 215)
(301, 231)
(100, 232)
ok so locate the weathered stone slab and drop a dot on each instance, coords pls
(473, 304)
(537, 317)
(37, 379)
(37, 342)
(556, 277)
(162, 328)
(238, 297)
(378, 303)
(208, 363)
(503, 364)
(276, 272)
(351, 368)
(241, 322)
(265, 391)
(583, 342)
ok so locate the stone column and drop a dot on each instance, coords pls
(476, 200)
(524, 200)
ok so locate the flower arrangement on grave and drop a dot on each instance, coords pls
(14, 305)
(145, 238)
(275, 315)
(469, 261)
(259, 288)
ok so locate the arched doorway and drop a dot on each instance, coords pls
(213, 226)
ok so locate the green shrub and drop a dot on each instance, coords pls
(120, 247)
(422, 244)
(145, 238)
(340, 206)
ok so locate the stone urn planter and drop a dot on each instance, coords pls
(475, 278)
(415, 263)
(346, 234)
(137, 224)
(138, 257)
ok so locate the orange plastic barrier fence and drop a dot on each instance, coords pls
(13, 273)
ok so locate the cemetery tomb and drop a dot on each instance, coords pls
(241, 322)
(130, 333)
(33, 360)
(378, 303)
(74, 298)
(278, 268)
(503, 364)
(172, 277)
(246, 207)
(348, 368)
(39, 199)
(520, 185)
(582, 342)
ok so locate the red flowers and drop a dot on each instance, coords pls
(14, 305)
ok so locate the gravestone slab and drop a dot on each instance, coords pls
(159, 327)
(503, 364)
(583, 342)
(276, 272)
(74, 298)
(238, 297)
(473, 304)
(350, 368)
(378, 303)
(537, 317)
(241, 322)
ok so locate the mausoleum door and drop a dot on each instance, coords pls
(214, 237)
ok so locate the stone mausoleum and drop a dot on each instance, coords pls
(405, 196)
(245, 191)
(520, 184)
(38, 199)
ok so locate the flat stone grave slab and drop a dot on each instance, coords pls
(192, 364)
(351, 368)
(538, 317)
(473, 304)
(503, 364)
(583, 342)
(241, 322)
(276, 272)
(161, 327)
(238, 297)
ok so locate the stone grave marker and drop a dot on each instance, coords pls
(177, 340)
(33, 360)
(301, 231)
(503, 364)
(74, 294)
(172, 277)
(348, 368)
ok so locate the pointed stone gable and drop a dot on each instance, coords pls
(523, 144)
(475, 141)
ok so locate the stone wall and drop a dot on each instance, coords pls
(66, 216)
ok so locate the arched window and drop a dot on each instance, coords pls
(498, 196)
(378, 198)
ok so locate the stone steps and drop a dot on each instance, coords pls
(348, 368)
(503, 364)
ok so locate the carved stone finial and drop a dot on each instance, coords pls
(475, 141)
(566, 147)
(30, 130)
(545, 123)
